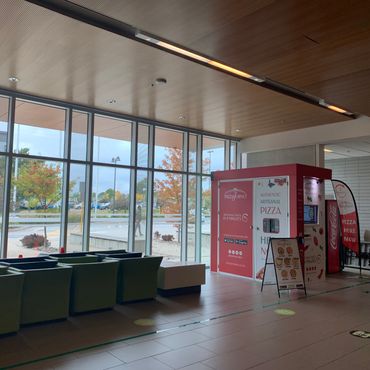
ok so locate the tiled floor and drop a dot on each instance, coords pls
(231, 325)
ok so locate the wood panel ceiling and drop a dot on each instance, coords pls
(322, 47)
(64, 59)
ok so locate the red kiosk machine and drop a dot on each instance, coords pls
(251, 205)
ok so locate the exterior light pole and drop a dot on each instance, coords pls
(114, 161)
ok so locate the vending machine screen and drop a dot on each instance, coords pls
(310, 214)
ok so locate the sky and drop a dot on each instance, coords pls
(50, 143)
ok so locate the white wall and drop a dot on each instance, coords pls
(323, 134)
(355, 172)
(302, 155)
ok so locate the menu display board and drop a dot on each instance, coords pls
(283, 258)
(287, 263)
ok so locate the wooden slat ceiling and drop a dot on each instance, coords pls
(322, 47)
(64, 59)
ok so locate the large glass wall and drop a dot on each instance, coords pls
(84, 180)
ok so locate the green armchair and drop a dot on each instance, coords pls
(94, 283)
(45, 291)
(137, 278)
(11, 285)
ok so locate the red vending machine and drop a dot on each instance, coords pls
(252, 205)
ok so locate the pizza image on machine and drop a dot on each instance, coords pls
(293, 273)
(281, 251)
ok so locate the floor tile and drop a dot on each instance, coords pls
(184, 356)
(149, 363)
(182, 339)
(138, 351)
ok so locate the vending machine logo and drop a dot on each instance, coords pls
(235, 194)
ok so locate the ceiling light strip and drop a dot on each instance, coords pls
(115, 26)
(197, 57)
(334, 108)
(224, 67)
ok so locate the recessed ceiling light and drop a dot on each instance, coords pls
(112, 101)
(237, 130)
(13, 79)
(327, 150)
(181, 117)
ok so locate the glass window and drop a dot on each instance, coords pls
(76, 204)
(168, 149)
(140, 215)
(79, 135)
(4, 117)
(39, 129)
(213, 154)
(233, 157)
(193, 148)
(112, 140)
(206, 220)
(143, 145)
(192, 187)
(35, 217)
(109, 208)
(167, 215)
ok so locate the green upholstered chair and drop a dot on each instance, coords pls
(120, 255)
(137, 278)
(46, 289)
(71, 254)
(12, 261)
(94, 283)
(110, 251)
(11, 285)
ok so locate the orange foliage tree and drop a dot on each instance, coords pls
(40, 182)
(169, 189)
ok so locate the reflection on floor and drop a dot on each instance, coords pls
(230, 325)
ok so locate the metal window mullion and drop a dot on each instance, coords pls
(7, 180)
(198, 201)
(184, 197)
(66, 179)
(237, 155)
(227, 148)
(150, 191)
(132, 193)
(88, 184)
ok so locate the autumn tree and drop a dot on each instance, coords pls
(39, 182)
(169, 188)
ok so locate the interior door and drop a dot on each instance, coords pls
(235, 217)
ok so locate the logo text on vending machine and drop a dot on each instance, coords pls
(235, 194)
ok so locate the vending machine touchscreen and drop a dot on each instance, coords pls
(310, 214)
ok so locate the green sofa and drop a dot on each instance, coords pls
(94, 282)
(45, 291)
(11, 285)
(137, 277)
